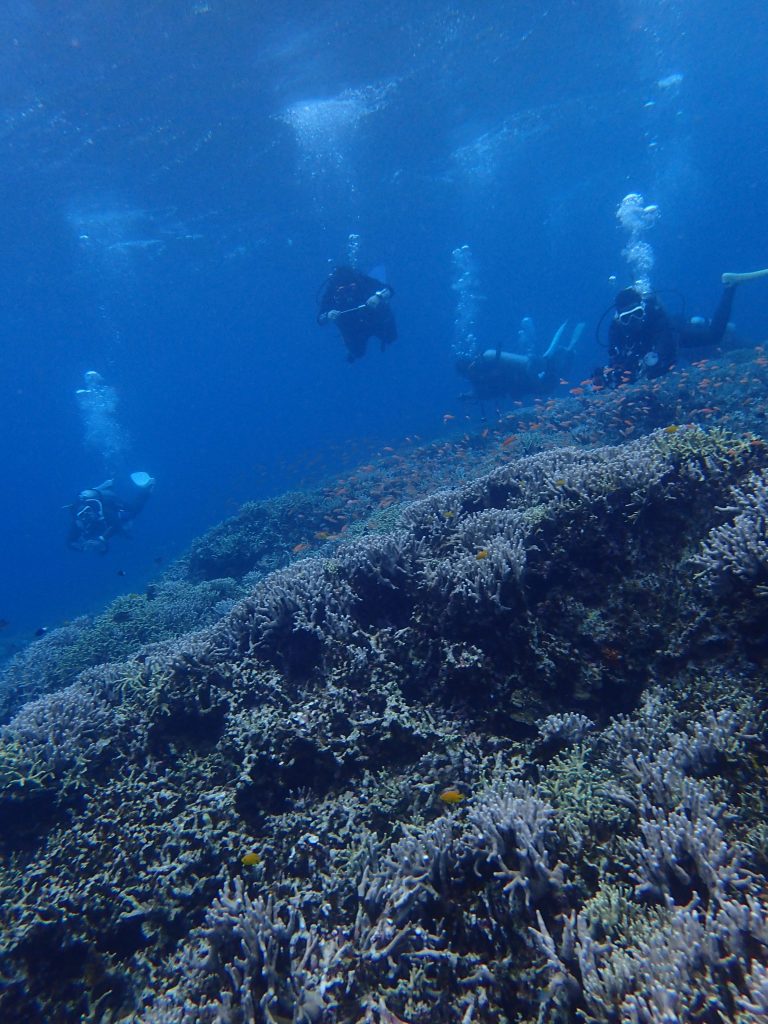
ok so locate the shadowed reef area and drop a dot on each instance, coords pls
(474, 736)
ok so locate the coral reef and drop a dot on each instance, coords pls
(167, 609)
(737, 552)
(249, 823)
(267, 535)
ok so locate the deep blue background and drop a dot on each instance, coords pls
(514, 128)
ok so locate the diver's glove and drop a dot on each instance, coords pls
(333, 314)
(373, 300)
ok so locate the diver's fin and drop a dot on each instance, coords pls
(577, 333)
(752, 275)
(554, 345)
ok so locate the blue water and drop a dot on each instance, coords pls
(177, 178)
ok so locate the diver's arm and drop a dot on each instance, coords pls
(661, 336)
(326, 306)
(370, 286)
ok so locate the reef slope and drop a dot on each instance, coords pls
(498, 760)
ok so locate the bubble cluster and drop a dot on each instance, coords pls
(353, 250)
(322, 126)
(636, 218)
(104, 435)
(465, 284)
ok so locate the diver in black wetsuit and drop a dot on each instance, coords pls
(495, 373)
(644, 341)
(101, 512)
(359, 306)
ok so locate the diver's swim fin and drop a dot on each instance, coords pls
(554, 345)
(739, 278)
(577, 332)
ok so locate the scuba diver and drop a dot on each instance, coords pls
(644, 341)
(496, 373)
(104, 511)
(359, 306)
(641, 338)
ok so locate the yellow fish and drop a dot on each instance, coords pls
(451, 795)
(250, 859)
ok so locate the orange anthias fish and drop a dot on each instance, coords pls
(451, 795)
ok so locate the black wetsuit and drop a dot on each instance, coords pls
(705, 334)
(507, 375)
(348, 292)
(102, 512)
(647, 345)
(644, 344)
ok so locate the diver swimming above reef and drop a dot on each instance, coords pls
(104, 511)
(644, 340)
(495, 373)
(359, 306)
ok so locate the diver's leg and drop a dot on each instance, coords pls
(386, 327)
(356, 344)
(556, 342)
(576, 336)
(722, 315)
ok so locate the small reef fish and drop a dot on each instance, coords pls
(250, 859)
(451, 795)
(481, 554)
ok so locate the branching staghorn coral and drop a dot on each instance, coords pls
(166, 611)
(315, 726)
(267, 961)
(684, 961)
(737, 551)
(569, 728)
